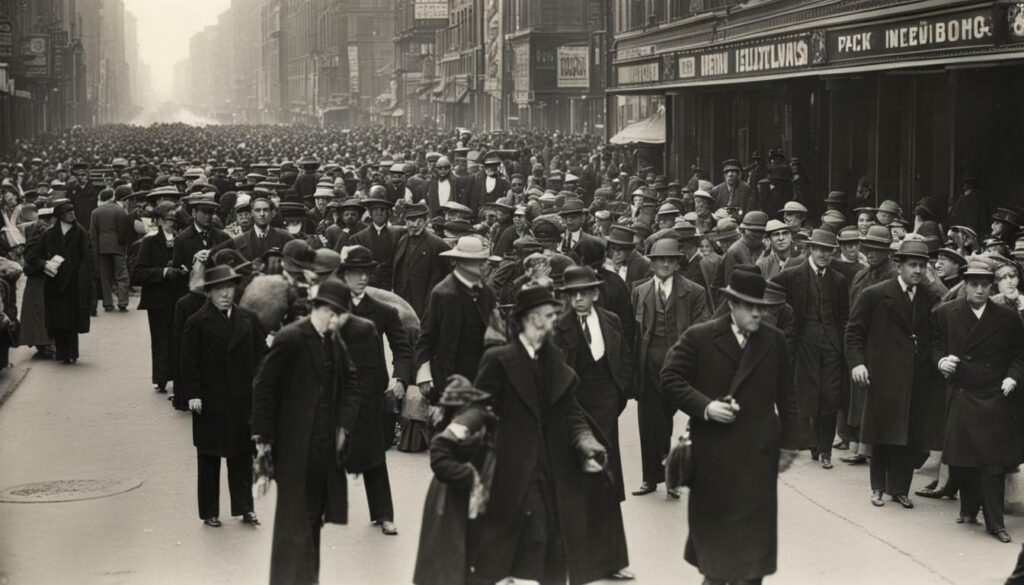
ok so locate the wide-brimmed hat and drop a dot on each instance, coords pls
(357, 257)
(890, 206)
(579, 278)
(878, 237)
(621, 236)
(297, 256)
(977, 268)
(665, 248)
(531, 297)
(793, 207)
(203, 201)
(219, 274)
(413, 210)
(748, 287)
(468, 248)
(823, 239)
(849, 235)
(775, 225)
(372, 203)
(913, 248)
(335, 293)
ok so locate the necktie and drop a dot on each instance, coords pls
(225, 313)
(910, 293)
(586, 329)
(744, 338)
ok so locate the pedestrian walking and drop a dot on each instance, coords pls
(221, 348)
(253, 243)
(111, 230)
(33, 331)
(380, 238)
(196, 241)
(732, 376)
(418, 265)
(306, 400)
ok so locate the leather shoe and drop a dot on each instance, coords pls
(814, 454)
(876, 498)
(854, 459)
(250, 518)
(672, 493)
(935, 494)
(645, 488)
(841, 445)
(214, 522)
(966, 519)
(388, 527)
(623, 575)
(1002, 536)
(904, 501)
(826, 463)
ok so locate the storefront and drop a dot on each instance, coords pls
(913, 95)
(551, 82)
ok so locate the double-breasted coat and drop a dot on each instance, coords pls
(691, 308)
(591, 537)
(733, 506)
(158, 292)
(219, 358)
(251, 246)
(190, 241)
(69, 296)
(418, 267)
(983, 428)
(382, 247)
(892, 337)
(285, 395)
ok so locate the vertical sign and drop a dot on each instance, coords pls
(6, 37)
(430, 10)
(353, 71)
(494, 49)
(34, 55)
(573, 66)
(522, 73)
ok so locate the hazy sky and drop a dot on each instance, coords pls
(164, 29)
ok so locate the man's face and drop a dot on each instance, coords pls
(543, 319)
(945, 267)
(782, 241)
(875, 256)
(884, 217)
(518, 220)
(244, 219)
(793, 218)
(746, 315)
(666, 222)
(491, 170)
(665, 267)
(583, 300)
(998, 227)
(573, 221)
(203, 217)
(444, 170)
(821, 256)
(898, 232)
(912, 270)
(849, 250)
(416, 225)
(356, 279)
(701, 205)
(379, 215)
(619, 254)
(397, 179)
(471, 268)
(169, 225)
(321, 202)
(518, 186)
(732, 176)
(261, 214)
(978, 290)
(222, 295)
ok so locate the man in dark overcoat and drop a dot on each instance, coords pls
(220, 350)
(547, 519)
(631, 266)
(380, 238)
(665, 307)
(732, 376)
(485, 186)
(458, 313)
(888, 350)
(198, 239)
(370, 437)
(255, 242)
(980, 349)
(418, 264)
(306, 401)
(162, 285)
(819, 296)
(441, 188)
(69, 292)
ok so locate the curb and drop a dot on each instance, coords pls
(10, 382)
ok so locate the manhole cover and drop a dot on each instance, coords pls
(67, 490)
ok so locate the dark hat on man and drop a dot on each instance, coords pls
(823, 239)
(298, 256)
(61, 206)
(572, 206)
(326, 261)
(755, 221)
(913, 249)
(373, 202)
(527, 244)
(836, 198)
(292, 210)
(530, 297)
(203, 201)
(122, 192)
(731, 165)
(878, 237)
(642, 229)
(219, 274)
(546, 230)
(849, 235)
(665, 248)
(953, 255)
(621, 236)
(579, 278)
(334, 293)
(748, 287)
(357, 257)
(458, 227)
(416, 210)
(1006, 215)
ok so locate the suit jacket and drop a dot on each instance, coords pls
(189, 242)
(708, 363)
(110, 228)
(743, 196)
(797, 282)
(382, 248)
(429, 193)
(691, 308)
(419, 267)
(158, 292)
(252, 247)
(475, 193)
(363, 340)
(638, 268)
(569, 337)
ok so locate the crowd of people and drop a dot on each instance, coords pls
(316, 297)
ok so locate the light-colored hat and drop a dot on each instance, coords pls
(468, 248)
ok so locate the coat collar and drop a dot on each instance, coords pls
(979, 329)
(519, 368)
(315, 344)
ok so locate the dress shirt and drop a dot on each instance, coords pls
(380, 228)
(906, 287)
(260, 233)
(980, 311)
(596, 338)
(574, 237)
(664, 287)
(356, 299)
(530, 349)
(490, 183)
(621, 271)
(444, 191)
(742, 337)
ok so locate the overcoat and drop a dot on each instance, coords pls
(69, 296)
(983, 428)
(189, 242)
(219, 357)
(733, 506)
(892, 337)
(158, 292)
(691, 308)
(615, 297)
(591, 537)
(382, 248)
(33, 305)
(252, 247)
(866, 277)
(366, 446)
(285, 395)
(186, 306)
(418, 267)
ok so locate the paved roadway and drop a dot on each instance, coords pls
(100, 419)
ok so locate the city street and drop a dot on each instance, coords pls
(101, 420)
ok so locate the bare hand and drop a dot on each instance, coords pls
(786, 458)
(339, 446)
(948, 365)
(860, 375)
(195, 405)
(1009, 385)
(426, 388)
(722, 412)
(399, 389)
(201, 256)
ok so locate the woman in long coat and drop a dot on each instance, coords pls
(69, 294)
(33, 308)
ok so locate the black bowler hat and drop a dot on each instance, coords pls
(579, 278)
(357, 257)
(335, 293)
(531, 297)
(748, 287)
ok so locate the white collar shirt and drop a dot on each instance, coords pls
(596, 337)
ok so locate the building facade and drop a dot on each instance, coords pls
(907, 96)
(415, 68)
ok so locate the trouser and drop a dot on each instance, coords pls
(113, 273)
(321, 457)
(378, 493)
(892, 469)
(239, 485)
(65, 345)
(981, 487)
(819, 368)
(538, 554)
(824, 429)
(710, 581)
(654, 414)
(161, 337)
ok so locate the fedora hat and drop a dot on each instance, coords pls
(458, 227)
(775, 225)
(357, 257)
(953, 255)
(878, 237)
(775, 293)
(297, 255)
(665, 248)
(414, 210)
(1006, 215)
(978, 268)
(684, 230)
(357, 205)
(622, 236)
(326, 261)
(460, 392)
(823, 239)
(531, 297)
(793, 207)
(579, 278)
(748, 287)
(836, 198)
(219, 274)
(849, 235)
(913, 248)
(335, 293)
(572, 206)
(526, 244)
(203, 201)
(890, 206)
(293, 210)
(546, 229)
(755, 221)
(468, 248)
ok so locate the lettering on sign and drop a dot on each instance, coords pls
(430, 10)
(714, 64)
(785, 55)
(573, 66)
(687, 67)
(965, 29)
(634, 74)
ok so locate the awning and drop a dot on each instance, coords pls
(649, 131)
(454, 93)
(441, 84)
(398, 113)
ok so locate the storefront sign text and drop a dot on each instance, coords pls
(957, 30)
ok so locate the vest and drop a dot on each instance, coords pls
(665, 317)
(820, 309)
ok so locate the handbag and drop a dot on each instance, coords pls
(679, 464)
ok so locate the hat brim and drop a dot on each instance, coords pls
(327, 301)
(734, 294)
(457, 254)
(362, 265)
(666, 255)
(212, 283)
(579, 286)
(295, 266)
(822, 244)
(519, 310)
(986, 274)
(911, 255)
(875, 245)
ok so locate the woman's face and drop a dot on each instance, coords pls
(1007, 279)
(705, 247)
(864, 221)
